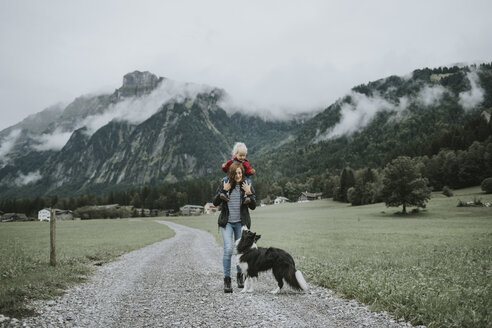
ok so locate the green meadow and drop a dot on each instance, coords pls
(25, 273)
(433, 267)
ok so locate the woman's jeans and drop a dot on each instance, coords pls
(229, 245)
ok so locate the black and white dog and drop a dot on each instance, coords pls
(253, 259)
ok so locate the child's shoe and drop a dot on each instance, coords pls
(246, 200)
(224, 197)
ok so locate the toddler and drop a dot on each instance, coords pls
(238, 155)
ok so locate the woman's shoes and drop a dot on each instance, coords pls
(227, 285)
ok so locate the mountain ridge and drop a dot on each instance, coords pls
(186, 133)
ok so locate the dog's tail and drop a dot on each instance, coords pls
(296, 280)
(301, 281)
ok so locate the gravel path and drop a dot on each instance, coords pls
(178, 283)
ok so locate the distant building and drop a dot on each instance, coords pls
(209, 208)
(144, 212)
(191, 210)
(280, 199)
(306, 196)
(14, 217)
(45, 214)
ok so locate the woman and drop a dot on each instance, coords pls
(233, 216)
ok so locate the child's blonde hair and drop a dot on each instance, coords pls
(239, 146)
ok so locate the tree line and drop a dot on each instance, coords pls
(444, 170)
(447, 169)
(166, 196)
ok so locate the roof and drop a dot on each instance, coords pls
(311, 194)
(57, 210)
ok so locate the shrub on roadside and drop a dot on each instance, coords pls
(446, 191)
(487, 185)
(98, 212)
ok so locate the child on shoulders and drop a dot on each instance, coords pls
(239, 153)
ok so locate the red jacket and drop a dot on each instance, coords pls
(248, 171)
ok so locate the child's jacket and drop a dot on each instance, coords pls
(248, 171)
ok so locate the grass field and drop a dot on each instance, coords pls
(432, 268)
(25, 272)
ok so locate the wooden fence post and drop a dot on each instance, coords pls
(52, 237)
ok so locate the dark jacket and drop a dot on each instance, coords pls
(244, 212)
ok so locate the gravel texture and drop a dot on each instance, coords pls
(178, 283)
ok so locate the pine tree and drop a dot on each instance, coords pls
(347, 180)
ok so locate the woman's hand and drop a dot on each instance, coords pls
(227, 186)
(247, 188)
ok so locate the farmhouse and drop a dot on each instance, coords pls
(142, 211)
(45, 214)
(11, 217)
(280, 199)
(191, 210)
(309, 196)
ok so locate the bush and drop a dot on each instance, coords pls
(101, 212)
(487, 185)
(446, 191)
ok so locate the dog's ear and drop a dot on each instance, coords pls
(257, 237)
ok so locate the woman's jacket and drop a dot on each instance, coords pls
(244, 212)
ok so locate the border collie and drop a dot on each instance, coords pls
(253, 259)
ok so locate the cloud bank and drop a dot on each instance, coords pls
(7, 144)
(137, 110)
(134, 110)
(53, 141)
(431, 95)
(24, 179)
(359, 113)
(473, 97)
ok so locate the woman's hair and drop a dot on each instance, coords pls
(232, 172)
(239, 146)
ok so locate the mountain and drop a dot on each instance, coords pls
(394, 116)
(153, 130)
(175, 131)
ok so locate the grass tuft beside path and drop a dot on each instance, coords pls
(25, 273)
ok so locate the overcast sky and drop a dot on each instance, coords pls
(277, 55)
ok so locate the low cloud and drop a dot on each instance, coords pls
(431, 95)
(137, 110)
(359, 113)
(53, 141)
(24, 179)
(133, 110)
(473, 97)
(7, 144)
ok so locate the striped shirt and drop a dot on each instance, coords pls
(234, 205)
